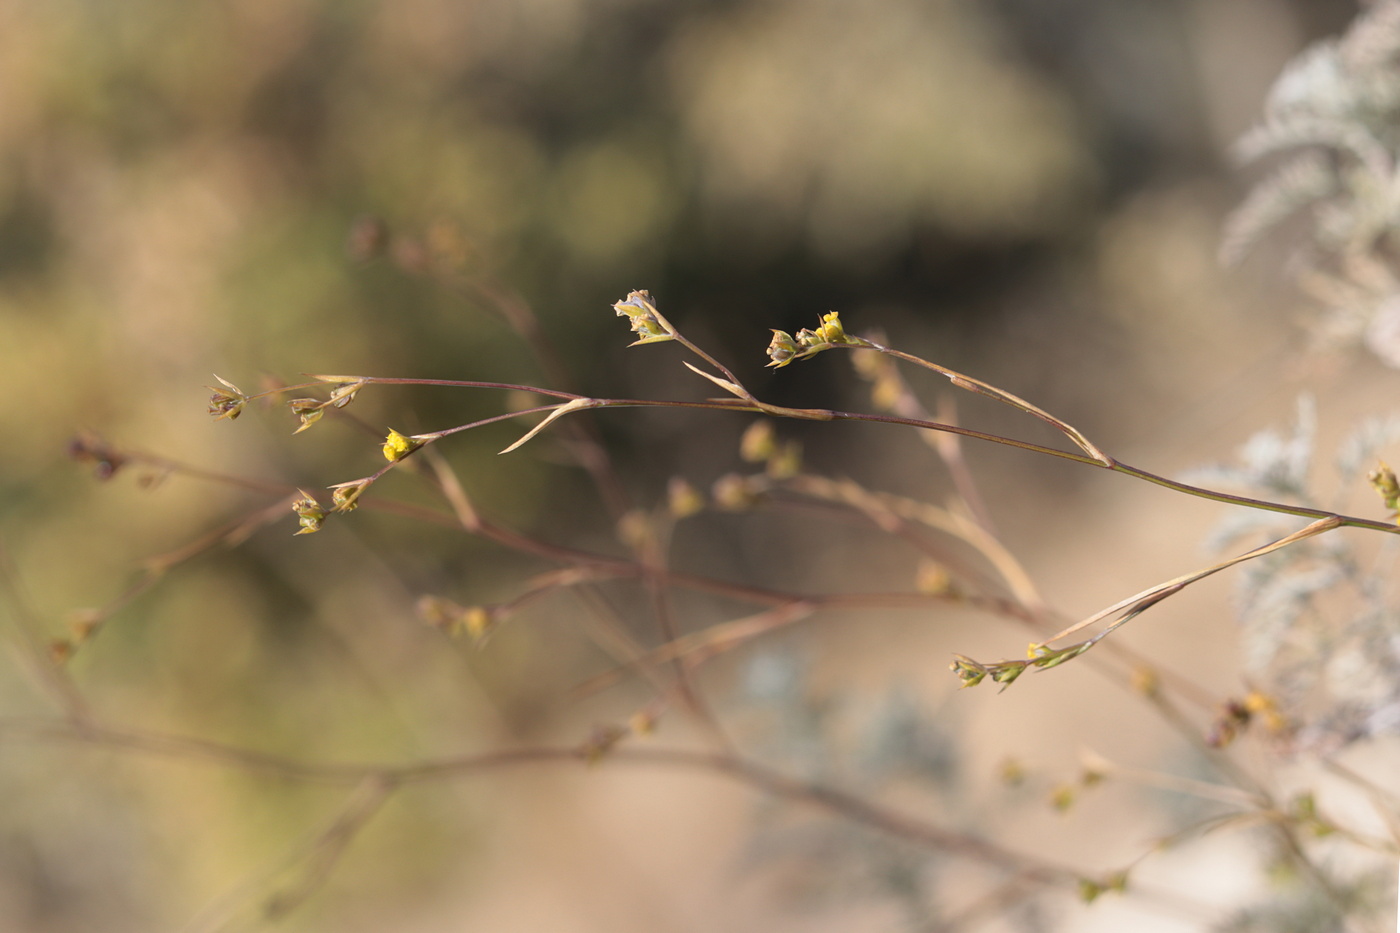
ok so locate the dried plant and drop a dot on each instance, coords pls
(1303, 592)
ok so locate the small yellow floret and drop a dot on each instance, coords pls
(397, 446)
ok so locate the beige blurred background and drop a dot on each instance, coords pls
(1029, 191)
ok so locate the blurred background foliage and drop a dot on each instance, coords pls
(1029, 190)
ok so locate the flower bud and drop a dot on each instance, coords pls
(1383, 481)
(227, 402)
(733, 493)
(758, 443)
(970, 672)
(782, 349)
(683, 499)
(309, 410)
(345, 497)
(641, 313)
(309, 514)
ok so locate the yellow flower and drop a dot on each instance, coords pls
(831, 330)
(397, 446)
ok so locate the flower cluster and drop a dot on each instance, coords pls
(227, 402)
(642, 315)
(310, 514)
(1237, 715)
(310, 410)
(476, 622)
(784, 347)
(972, 672)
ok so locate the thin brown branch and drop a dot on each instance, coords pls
(387, 776)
